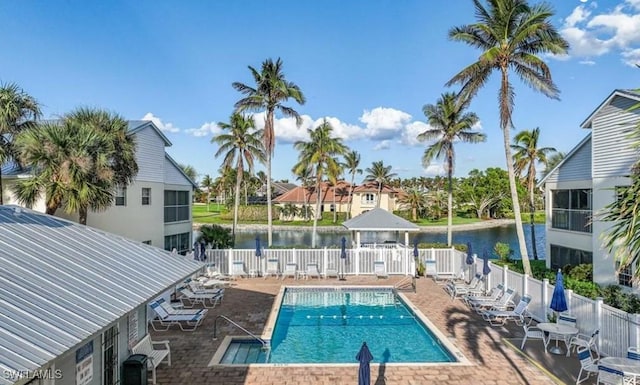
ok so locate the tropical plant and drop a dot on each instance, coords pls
(448, 123)
(189, 171)
(218, 236)
(380, 174)
(207, 183)
(511, 34)
(415, 200)
(352, 164)
(271, 90)
(320, 152)
(503, 251)
(552, 161)
(526, 155)
(18, 112)
(239, 143)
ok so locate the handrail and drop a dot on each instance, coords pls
(264, 343)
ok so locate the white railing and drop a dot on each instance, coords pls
(618, 329)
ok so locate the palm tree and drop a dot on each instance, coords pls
(18, 111)
(207, 183)
(449, 122)
(526, 154)
(305, 176)
(511, 34)
(380, 174)
(351, 163)
(241, 144)
(552, 161)
(320, 152)
(189, 171)
(416, 200)
(271, 90)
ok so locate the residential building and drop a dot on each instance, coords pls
(584, 183)
(332, 198)
(75, 298)
(154, 209)
(365, 198)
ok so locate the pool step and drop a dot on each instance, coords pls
(244, 352)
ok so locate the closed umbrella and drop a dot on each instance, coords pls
(258, 253)
(196, 251)
(364, 357)
(203, 251)
(469, 259)
(486, 270)
(416, 253)
(343, 255)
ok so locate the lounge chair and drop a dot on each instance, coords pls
(330, 271)
(189, 298)
(380, 269)
(164, 320)
(169, 308)
(213, 273)
(493, 295)
(500, 317)
(431, 268)
(290, 270)
(502, 303)
(312, 271)
(237, 269)
(457, 290)
(202, 287)
(273, 268)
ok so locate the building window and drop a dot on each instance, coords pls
(368, 199)
(180, 242)
(110, 374)
(625, 275)
(176, 206)
(562, 256)
(146, 196)
(332, 207)
(121, 196)
(572, 210)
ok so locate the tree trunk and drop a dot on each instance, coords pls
(82, 215)
(379, 194)
(315, 216)
(335, 208)
(450, 201)
(236, 199)
(505, 122)
(353, 177)
(532, 208)
(269, 214)
(1, 189)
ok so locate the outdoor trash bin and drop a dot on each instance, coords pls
(134, 370)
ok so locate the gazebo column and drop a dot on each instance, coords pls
(358, 239)
(406, 239)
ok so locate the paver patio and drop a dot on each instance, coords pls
(249, 303)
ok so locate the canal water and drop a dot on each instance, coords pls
(480, 239)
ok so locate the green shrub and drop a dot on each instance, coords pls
(503, 251)
(218, 236)
(440, 245)
(582, 272)
(250, 213)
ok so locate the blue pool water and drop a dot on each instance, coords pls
(317, 325)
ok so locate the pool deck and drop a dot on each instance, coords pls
(491, 350)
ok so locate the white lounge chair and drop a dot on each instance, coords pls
(330, 271)
(431, 268)
(237, 269)
(380, 269)
(502, 303)
(459, 290)
(290, 270)
(169, 308)
(273, 268)
(312, 271)
(189, 298)
(202, 288)
(500, 317)
(164, 320)
(493, 295)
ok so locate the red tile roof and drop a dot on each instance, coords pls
(297, 195)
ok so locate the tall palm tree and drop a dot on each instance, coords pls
(552, 161)
(352, 164)
(189, 171)
(380, 174)
(270, 91)
(416, 200)
(525, 156)
(511, 34)
(240, 143)
(449, 122)
(305, 176)
(18, 111)
(207, 183)
(320, 152)
(334, 174)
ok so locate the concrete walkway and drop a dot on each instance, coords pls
(494, 360)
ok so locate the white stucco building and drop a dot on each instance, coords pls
(577, 190)
(154, 209)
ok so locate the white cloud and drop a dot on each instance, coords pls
(587, 62)
(207, 129)
(411, 131)
(434, 169)
(631, 57)
(383, 122)
(616, 30)
(166, 127)
(383, 145)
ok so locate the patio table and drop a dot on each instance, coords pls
(565, 331)
(623, 364)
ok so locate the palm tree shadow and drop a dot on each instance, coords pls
(382, 380)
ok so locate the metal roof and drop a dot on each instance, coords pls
(629, 94)
(62, 282)
(13, 169)
(177, 166)
(380, 220)
(138, 125)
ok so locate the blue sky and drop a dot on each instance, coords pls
(368, 67)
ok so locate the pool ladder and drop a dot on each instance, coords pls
(265, 344)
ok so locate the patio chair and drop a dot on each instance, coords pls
(237, 269)
(330, 271)
(273, 268)
(531, 332)
(431, 269)
(290, 270)
(169, 308)
(632, 353)
(164, 320)
(493, 295)
(459, 290)
(611, 376)
(588, 365)
(451, 286)
(189, 298)
(588, 341)
(380, 269)
(500, 317)
(312, 271)
(502, 303)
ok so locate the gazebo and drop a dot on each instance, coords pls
(378, 220)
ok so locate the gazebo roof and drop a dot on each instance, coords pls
(379, 220)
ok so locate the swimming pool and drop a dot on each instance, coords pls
(318, 325)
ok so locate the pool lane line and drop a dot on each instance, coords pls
(534, 362)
